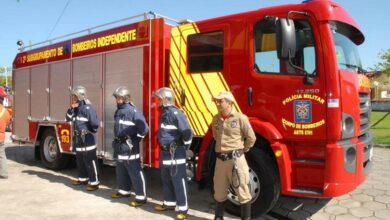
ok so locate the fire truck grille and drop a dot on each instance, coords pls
(365, 111)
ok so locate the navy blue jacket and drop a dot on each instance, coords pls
(174, 127)
(83, 117)
(129, 122)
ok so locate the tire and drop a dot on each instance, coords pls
(208, 168)
(50, 153)
(264, 184)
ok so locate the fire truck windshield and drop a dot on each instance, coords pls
(346, 49)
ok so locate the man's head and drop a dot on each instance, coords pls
(79, 93)
(166, 96)
(122, 95)
(224, 101)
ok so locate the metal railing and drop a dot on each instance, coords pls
(102, 27)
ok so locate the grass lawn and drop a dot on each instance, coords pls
(381, 131)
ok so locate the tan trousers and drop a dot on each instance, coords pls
(223, 176)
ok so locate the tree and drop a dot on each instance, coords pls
(384, 64)
(5, 80)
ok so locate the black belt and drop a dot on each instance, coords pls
(121, 140)
(230, 155)
(167, 147)
(82, 132)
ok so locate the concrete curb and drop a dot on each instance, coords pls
(382, 145)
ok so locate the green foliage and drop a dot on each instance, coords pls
(384, 64)
(3, 81)
(382, 130)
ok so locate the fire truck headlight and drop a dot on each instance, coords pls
(348, 126)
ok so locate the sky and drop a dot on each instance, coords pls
(38, 20)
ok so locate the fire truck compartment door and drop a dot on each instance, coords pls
(21, 102)
(39, 96)
(87, 72)
(123, 68)
(59, 98)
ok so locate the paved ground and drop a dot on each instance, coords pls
(33, 192)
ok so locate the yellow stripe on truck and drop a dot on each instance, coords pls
(199, 88)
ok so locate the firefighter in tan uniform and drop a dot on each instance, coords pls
(234, 136)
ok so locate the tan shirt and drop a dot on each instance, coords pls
(232, 133)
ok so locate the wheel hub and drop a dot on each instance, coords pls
(254, 188)
(50, 149)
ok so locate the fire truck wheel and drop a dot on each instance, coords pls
(50, 152)
(208, 168)
(264, 184)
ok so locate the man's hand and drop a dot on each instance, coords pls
(189, 153)
(74, 105)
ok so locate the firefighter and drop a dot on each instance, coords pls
(85, 125)
(175, 137)
(5, 117)
(129, 129)
(234, 136)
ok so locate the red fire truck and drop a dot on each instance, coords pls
(293, 69)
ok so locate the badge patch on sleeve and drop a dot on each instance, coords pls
(216, 125)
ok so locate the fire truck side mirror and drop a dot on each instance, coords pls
(285, 38)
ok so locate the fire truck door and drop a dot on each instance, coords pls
(276, 89)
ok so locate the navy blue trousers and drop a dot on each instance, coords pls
(87, 165)
(174, 178)
(129, 174)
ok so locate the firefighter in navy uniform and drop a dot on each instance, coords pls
(130, 127)
(175, 136)
(85, 124)
(234, 136)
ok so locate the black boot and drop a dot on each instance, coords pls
(246, 211)
(219, 209)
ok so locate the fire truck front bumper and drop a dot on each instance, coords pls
(347, 165)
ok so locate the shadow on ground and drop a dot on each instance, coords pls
(198, 200)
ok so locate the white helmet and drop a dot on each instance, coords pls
(166, 95)
(124, 92)
(80, 92)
